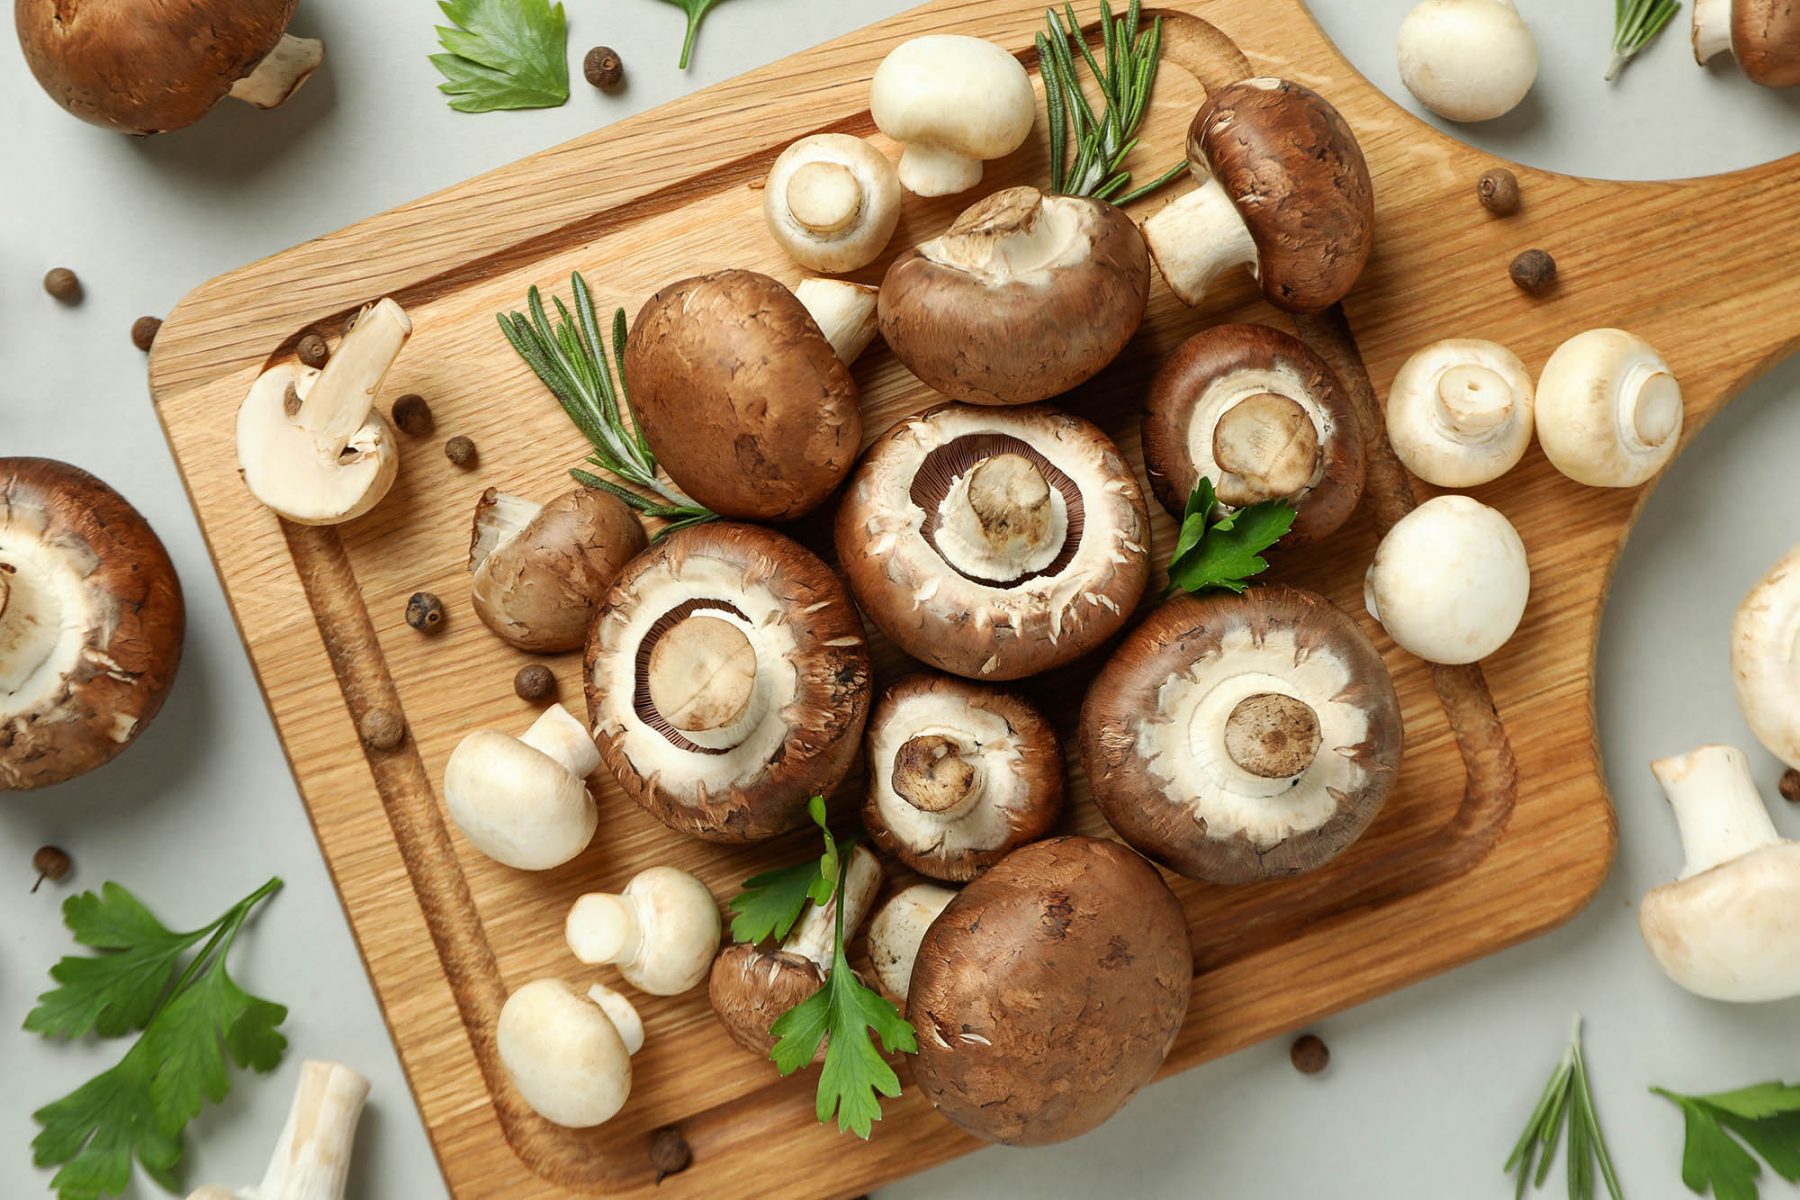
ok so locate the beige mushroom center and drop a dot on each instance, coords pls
(1267, 447)
(30, 627)
(1010, 500)
(1473, 399)
(824, 197)
(702, 674)
(1654, 402)
(932, 774)
(1272, 736)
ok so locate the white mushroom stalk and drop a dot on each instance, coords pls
(569, 1055)
(1712, 29)
(524, 801)
(1609, 409)
(1450, 581)
(832, 202)
(1765, 659)
(844, 312)
(896, 931)
(1199, 238)
(1461, 412)
(281, 72)
(1467, 60)
(952, 101)
(661, 931)
(312, 1159)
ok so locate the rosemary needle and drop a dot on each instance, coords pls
(1635, 24)
(1088, 149)
(1567, 1101)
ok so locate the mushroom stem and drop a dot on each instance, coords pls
(281, 72)
(1198, 238)
(623, 1015)
(1712, 29)
(340, 398)
(1650, 406)
(1472, 402)
(1010, 499)
(1721, 814)
(932, 774)
(824, 196)
(702, 674)
(31, 624)
(815, 936)
(560, 736)
(845, 313)
(1272, 735)
(1267, 447)
(936, 171)
(605, 928)
(312, 1159)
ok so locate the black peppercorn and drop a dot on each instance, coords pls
(669, 1152)
(535, 682)
(1534, 271)
(312, 350)
(144, 331)
(412, 415)
(603, 68)
(1309, 1054)
(52, 863)
(62, 284)
(1498, 190)
(460, 450)
(425, 612)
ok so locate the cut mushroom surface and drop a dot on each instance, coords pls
(1242, 737)
(91, 623)
(1763, 35)
(524, 801)
(1450, 581)
(897, 930)
(832, 202)
(1461, 412)
(1765, 659)
(952, 101)
(1609, 409)
(727, 681)
(995, 543)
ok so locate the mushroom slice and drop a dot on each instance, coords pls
(741, 396)
(566, 1053)
(896, 931)
(661, 931)
(832, 201)
(1284, 191)
(952, 101)
(727, 681)
(994, 543)
(91, 623)
(524, 801)
(1450, 581)
(1234, 738)
(967, 311)
(959, 774)
(1765, 659)
(1609, 409)
(1460, 412)
(1763, 35)
(332, 458)
(1257, 412)
(539, 572)
(1049, 991)
(1726, 929)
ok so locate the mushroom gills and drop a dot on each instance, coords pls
(1198, 239)
(700, 679)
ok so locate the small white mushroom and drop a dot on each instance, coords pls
(312, 1159)
(569, 1055)
(1729, 927)
(1460, 412)
(832, 201)
(661, 931)
(1608, 409)
(1765, 659)
(953, 101)
(1449, 581)
(1467, 60)
(897, 930)
(524, 801)
(845, 313)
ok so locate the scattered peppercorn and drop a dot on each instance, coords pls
(460, 450)
(1534, 271)
(52, 863)
(381, 729)
(1310, 1055)
(534, 683)
(312, 350)
(290, 400)
(1499, 192)
(1790, 786)
(62, 284)
(603, 68)
(425, 612)
(412, 415)
(669, 1152)
(144, 331)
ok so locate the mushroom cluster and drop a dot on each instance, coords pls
(953, 102)
(1449, 581)
(1763, 35)
(538, 571)
(1461, 412)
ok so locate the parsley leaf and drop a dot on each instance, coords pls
(503, 54)
(1223, 550)
(771, 902)
(1764, 1115)
(696, 11)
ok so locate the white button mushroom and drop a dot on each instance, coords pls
(845, 313)
(567, 1054)
(661, 931)
(1460, 412)
(832, 202)
(1729, 927)
(312, 1159)
(524, 801)
(953, 101)
(1608, 409)
(897, 930)
(1467, 60)
(1765, 659)
(1449, 581)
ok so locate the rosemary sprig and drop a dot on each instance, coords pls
(1567, 1100)
(571, 358)
(1101, 142)
(1635, 23)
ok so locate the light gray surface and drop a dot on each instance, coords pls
(1428, 1087)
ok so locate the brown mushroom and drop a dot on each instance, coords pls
(727, 681)
(1049, 991)
(1763, 35)
(994, 543)
(146, 66)
(91, 623)
(1254, 410)
(1283, 191)
(539, 572)
(1023, 298)
(959, 775)
(1234, 738)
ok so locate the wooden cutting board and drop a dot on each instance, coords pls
(1501, 827)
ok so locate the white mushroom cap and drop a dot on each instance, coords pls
(1449, 581)
(832, 202)
(1460, 412)
(524, 801)
(1765, 659)
(563, 1052)
(622, 1014)
(845, 313)
(1467, 60)
(661, 931)
(953, 101)
(1609, 409)
(896, 931)
(1729, 928)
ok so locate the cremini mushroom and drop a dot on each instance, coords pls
(1467, 60)
(312, 1158)
(569, 1055)
(959, 774)
(994, 543)
(727, 681)
(661, 930)
(538, 571)
(832, 202)
(523, 801)
(1022, 298)
(1284, 192)
(1049, 991)
(1729, 927)
(1609, 409)
(896, 931)
(952, 102)
(146, 66)
(1449, 581)
(91, 623)
(1460, 412)
(332, 458)
(1763, 35)
(1264, 418)
(1235, 738)
(753, 985)
(1765, 659)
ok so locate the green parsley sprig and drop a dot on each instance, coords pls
(1567, 1101)
(1635, 25)
(503, 54)
(1221, 549)
(771, 902)
(1764, 1116)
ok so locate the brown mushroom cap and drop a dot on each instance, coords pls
(1223, 373)
(958, 554)
(743, 400)
(1765, 38)
(1049, 991)
(959, 775)
(797, 732)
(750, 988)
(91, 623)
(1023, 298)
(1192, 732)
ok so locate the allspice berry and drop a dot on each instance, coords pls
(144, 331)
(669, 1152)
(1309, 1054)
(425, 612)
(381, 729)
(535, 682)
(1534, 271)
(1790, 786)
(52, 863)
(603, 68)
(412, 415)
(1498, 191)
(460, 450)
(312, 350)
(62, 285)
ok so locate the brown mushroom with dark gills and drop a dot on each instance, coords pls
(727, 681)
(1234, 738)
(994, 543)
(959, 775)
(539, 571)
(1254, 410)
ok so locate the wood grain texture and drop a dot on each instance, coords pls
(1499, 829)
